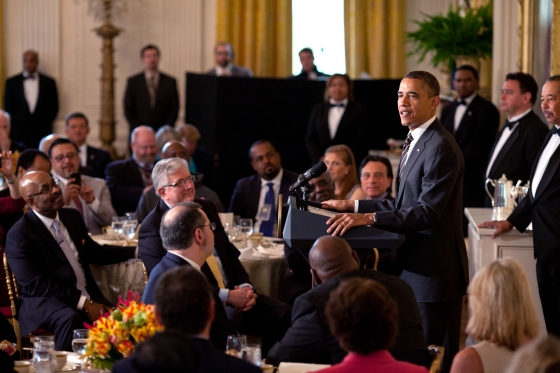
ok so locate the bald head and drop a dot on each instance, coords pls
(143, 144)
(332, 256)
(174, 149)
(46, 142)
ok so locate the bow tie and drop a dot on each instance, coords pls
(29, 77)
(336, 105)
(510, 124)
(556, 131)
(462, 102)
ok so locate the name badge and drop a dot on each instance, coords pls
(264, 214)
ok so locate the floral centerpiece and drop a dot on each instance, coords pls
(115, 335)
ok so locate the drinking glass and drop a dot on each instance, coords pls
(128, 230)
(44, 358)
(236, 345)
(246, 226)
(79, 342)
(253, 354)
(117, 226)
(132, 217)
(231, 231)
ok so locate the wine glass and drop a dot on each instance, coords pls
(79, 342)
(246, 226)
(128, 230)
(117, 226)
(131, 216)
(236, 345)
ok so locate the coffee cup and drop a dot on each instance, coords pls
(109, 233)
(61, 358)
(21, 366)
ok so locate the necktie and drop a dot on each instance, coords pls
(152, 91)
(76, 267)
(556, 130)
(267, 226)
(78, 204)
(336, 105)
(509, 124)
(406, 146)
(462, 102)
(213, 264)
(32, 77)
(146, 174)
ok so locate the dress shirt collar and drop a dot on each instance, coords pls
(26, 74)
(276, 180)
(343, 102)
(47, 221)
(61, 179)
(149, 75)
(140, 164)
(221, 70)
(469, 99)
(195, 266)
(380, 197)
(418, 131)
(518, 117)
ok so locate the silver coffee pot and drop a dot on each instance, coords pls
(502, 199)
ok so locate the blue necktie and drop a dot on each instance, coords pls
(267, 226)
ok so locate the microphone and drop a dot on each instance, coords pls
(312, 173)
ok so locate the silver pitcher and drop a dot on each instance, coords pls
(502, 199)
(518, 192)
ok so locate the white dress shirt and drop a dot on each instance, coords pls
(335, 115)
(82, 153)
(264, 189)
(224, 71)
(548, 151)
(461, 110)
(31, 89)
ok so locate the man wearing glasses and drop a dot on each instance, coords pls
(49, 251)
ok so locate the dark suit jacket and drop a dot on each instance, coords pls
(518, 154)
(428, 210)
(46, 281)
(151, 249)
(475, 136)
(352, 130)
(137, 102)
(26, 127)
(309, 340)
(97, 161)
(124, 180)
(245, 199)
(221, 326)
(543, 210)
(303, 75)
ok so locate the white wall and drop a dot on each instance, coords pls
(70, 51)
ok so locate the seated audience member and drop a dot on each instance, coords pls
(128, 179)
(341, 164)
(90, 197)
(186, 304)
(323, 188)
(364, 319)
(6, 143)
(200, 161)
(502, 318)
(223, 55)
(376, 174)
(13, 202)
(46, 142)
(308, 69)
(338, 120)
(164, 135)
(256, 196)
(149, 200)
(309, 339)
(94, 160)
(268, 317)
(542, 355)
(49, 251)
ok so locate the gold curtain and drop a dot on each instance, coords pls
(2, 62)
(260, 32)
(375, 37)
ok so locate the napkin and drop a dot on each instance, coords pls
(273, 251)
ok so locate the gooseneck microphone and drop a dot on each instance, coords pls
(312, 173)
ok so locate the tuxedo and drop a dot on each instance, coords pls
(137, 108)
(378, 361)
(309, 339)
(353, 130)
(237, 71)
(45, 278)
(124, 180)
(28, 127)
(428, 209)
(245, 199)
(97, 161)
(543, 210)
(519, 152)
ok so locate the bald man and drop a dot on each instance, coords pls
(49, 251)
(309, 340)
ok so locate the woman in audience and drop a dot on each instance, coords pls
(364, 319)
(502, 318)
(540, 356)
(341, 163)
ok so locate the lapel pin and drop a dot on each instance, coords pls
(418, 149)
(469, 113)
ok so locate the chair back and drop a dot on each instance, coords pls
(11, 284)
(437, 352)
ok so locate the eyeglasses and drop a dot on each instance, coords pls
(46, 189)
(211, 225)
(182, 182)
(60, 158)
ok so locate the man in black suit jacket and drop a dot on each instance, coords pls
(518, 143)
(128, 179)
(248, 199)
(541, 206)
(151, 97)
(32, 101)
(309, 339)
(308, 69)
(51, 263)
(223, 55)
(428, 210)
(473, 121)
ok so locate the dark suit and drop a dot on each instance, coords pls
(27, 127)
(245, 199)
(221, 326)
(304, 75)
(475, 135)
(46, 281)
(124, 180)
(519, 152)
(137, 102)
(544, 211)
(352, 131)
(97, 161)
(428, 210)
(309, 339)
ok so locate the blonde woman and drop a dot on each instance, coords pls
(540, 356)
(342, 166)
(502, 318)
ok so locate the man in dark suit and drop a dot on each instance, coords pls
(256, 196)
(223, 55)
(518, 143)
(186, 304)
(128, 179)
(32, 101)
(95, 160)
(268, 317)
(309, 339)
(540, 206)
(473, 121)
(49, 251)
(308, 69)
(428, 210)
(151, 97)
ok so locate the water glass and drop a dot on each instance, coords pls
(128, 230)
(253, 354)
(236, 345)
(44, 358)
(131, 217)
(246, 226)
(79, 342)
(117, 224)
